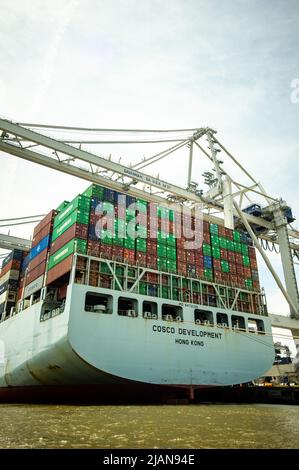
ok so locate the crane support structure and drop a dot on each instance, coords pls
(226, 195)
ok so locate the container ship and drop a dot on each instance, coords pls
(92, 304)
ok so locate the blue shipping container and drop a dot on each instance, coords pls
(43, 244)
(207, 261)
(15, 254)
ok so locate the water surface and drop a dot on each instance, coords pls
(188, 427)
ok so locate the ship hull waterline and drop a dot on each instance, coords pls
(94, 351)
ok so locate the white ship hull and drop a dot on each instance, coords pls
(81, 347)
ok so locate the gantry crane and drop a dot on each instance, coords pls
(269, 223)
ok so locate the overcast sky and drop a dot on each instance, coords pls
(157, 64)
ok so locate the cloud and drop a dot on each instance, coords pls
(65, 16)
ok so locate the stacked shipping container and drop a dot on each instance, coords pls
(104, 223)
(10, 280)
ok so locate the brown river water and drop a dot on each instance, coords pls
(207, 426)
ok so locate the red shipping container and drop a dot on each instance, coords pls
(226, 278)
(180, 243)
(218, 277)
(117, 253)
(239, 258)
(140, 258)
(105, 251)
(37, 260)
(217, 264)
(221, 231)
(205, 226)
(223, 254)
(129, 256)
(256, 285)
(13, 264)
(199, 261)
(229, 233)
(93, 248)
(190, 256)
(42, 234)
(48, 219)
(75, 231)
(181, 255)
(152, 277)
(232, 268)
(252, 252)
(59, 270)
(247, 272)
(253, 263)
(231, 256)
(151, 262)
(233, 279)
(151, 247)
(182, 268)
(200, 272)
(206, 236)
(35, 273)
(240, 270)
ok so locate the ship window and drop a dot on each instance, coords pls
(256, 326)
(99, 303)
(150, 310)
(222, 320)
(172, 312)
(238, 322)
(203, 317)
(127, 307)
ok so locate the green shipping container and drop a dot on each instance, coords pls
(206, 249)
(214, 240)
(216, 252)
(246, 261)
(120, 227)
(94, 191)
(62, 206)
(171, 240)
(248, 284)
(208, 274)
(171, 252)
(223, 243)
(214, 229)
(238, 247)
(80, 203)
(236, 236)
(224, 266)
(166, 292)
(230, 245)
(76, 216)
(80, 246)
(161, 250)
(143, 288)
(162, 264)
(162, 237)
(171, 265)
(117, 241)
(141, 205)
(163, 212)
(141, 244)
(129, 243)
(244, 249)
(141, 231)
